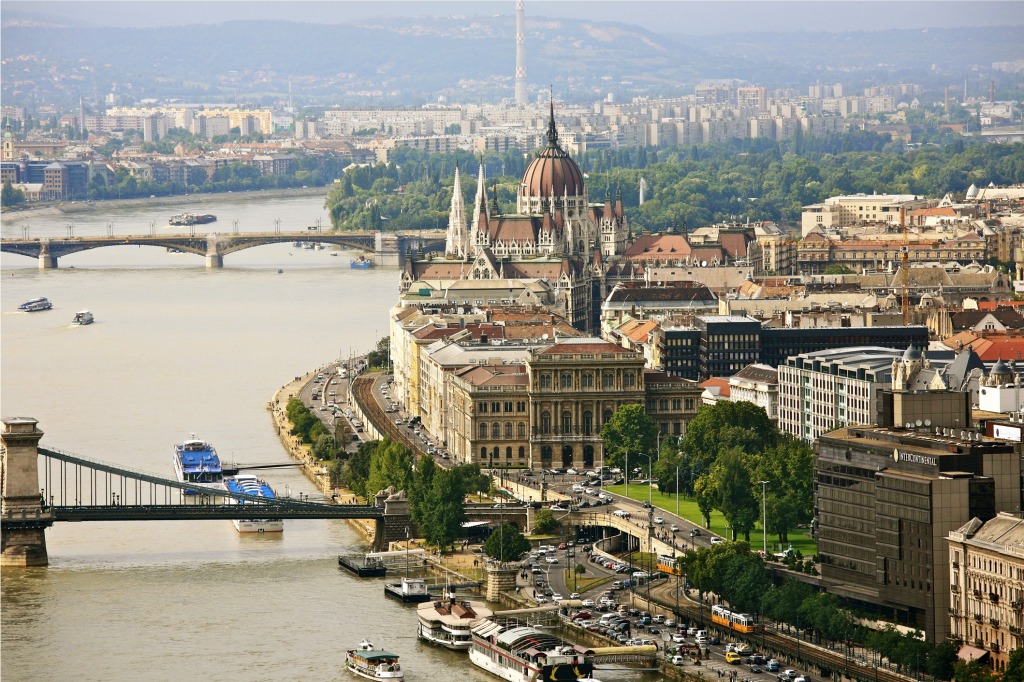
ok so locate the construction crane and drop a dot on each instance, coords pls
(905, 268)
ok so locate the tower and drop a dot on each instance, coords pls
(522, 99)
(457, 241)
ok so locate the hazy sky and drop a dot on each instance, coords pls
(663, 16)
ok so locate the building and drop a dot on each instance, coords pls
(826, 389)
(858, 209)
(728, 343)
(986, 588)
(886, 498)
(757, 384)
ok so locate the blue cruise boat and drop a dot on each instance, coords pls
(195, 461)
(247, 484)
(361, 263)
(35, 305)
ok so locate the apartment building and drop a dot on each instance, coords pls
(856, 209)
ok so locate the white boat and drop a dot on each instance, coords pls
(35, 305)
(195, 461)
(247, 484)
(448, 622)
(414, 590)
(372, 663)
(520, 653)
(83, 317)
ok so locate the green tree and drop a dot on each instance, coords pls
(9, 196)
(323, 448)
(356, 470)
(629, 430)
(973, 671)
(1014, 667)
(506, 543)
(734, 495)
(722, 425)
(443, 511)
(391, 465)
(422, 483)
(838, 269)
(544, 522)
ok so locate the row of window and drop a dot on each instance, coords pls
(496, 430)
(565, 380)
(497, 406)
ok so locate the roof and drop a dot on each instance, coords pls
(552, 173)
(587, 345)
(659, 247)
(989, 347)
(719, 384)
(759, 372)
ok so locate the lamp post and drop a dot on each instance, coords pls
(677, 485)
(764, 515)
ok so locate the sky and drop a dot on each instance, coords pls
(695, 17)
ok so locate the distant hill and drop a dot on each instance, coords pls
(472, 58)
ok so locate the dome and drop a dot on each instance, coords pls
(552, 173)
(1000, 368)
(912, 354)
(972, 192)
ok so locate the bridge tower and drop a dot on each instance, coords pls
(214, 257)
(22, 537)
(47, 261)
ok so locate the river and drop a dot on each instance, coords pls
(178, 349)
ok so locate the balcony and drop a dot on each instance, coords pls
(977, 617)
(993, 647)
(994, 622)
(1014, 629)
(977, 593)
(955, 589)
(994, 597)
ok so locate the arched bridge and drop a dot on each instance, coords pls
(43, 486)
(388, 248)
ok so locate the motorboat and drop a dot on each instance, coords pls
(83, 317)
(35, 305)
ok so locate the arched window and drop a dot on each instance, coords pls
(587, 380)
(508, 429)
(588, 423)
(607, 416)
(522, 452)
(545, 422)
(566, 422)
(566, 380)
(522, 429)
(483, 430)
(496, 430)
(508, 452)
(483, 455)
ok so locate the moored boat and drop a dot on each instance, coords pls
(35, 305)
(196, 461)
(520, 653)
(361, 263)
(410, 590)
(83, 317)
(372, 663)
(247, 484)
(449, 622)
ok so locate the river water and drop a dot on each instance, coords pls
(178, 349)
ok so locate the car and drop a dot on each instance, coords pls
(743, 649)
(574, 595)
(733, 657)
(755, 668)
(540, 600)
(670, 622)
(757, 658)
(658, 520)
(772, 665)
(589, 603)
(695, 532)
(557, 507)
(791, 674)
(555, 597)
(323, 408)
(678, 638)
(551, 559)
(571, 472)
(678, 660)
(659, 619)
(500, 505)
(674, 528)
(581, 615)
(717, 541)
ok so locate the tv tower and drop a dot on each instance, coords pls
(522, 98)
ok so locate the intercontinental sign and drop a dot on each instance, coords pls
(899, 456)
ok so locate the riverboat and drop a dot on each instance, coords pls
(247, 484)
(361, 263)
(83, 317)
(35, 305)
(520, 653)
(192, 219)
(449, 622)
(409, 591)
(372, 663)
(196, 461)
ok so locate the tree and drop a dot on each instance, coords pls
(734, 495)
(544, 522)
(323, 448)
(724, 424)
(942, 657)
(422, 482)
(443, 511)
(391, 465)
(10, 196)
(381, 355)
(506, 543)
(838, 269)
(1014, 667)
(356, 469)
(973, 671)
(629, 430)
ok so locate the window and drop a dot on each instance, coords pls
(522, 429)
(565, 381)
(607, 380)
(508, 406)
(483, 454)
(677, 404)
(588, 423)
(587, 380)
(483, 430)
(522, 452)
(521, 406)
(482, 408)
(508, 429)
(689, 402)
(496, 430)
(508, 452)
(663, 405)
(545, 380)
(629, 380)
(606, 416)
(545, 422)
(566, 422)
(496, 407)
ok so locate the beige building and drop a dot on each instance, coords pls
(857, 209)
(986, 588)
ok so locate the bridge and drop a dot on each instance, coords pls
(43, 486)
(389, 248)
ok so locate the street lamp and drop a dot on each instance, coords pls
(764, 516)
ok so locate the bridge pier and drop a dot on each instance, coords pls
(214, 257)
(47, 261)
(22, 535)
(388, 247)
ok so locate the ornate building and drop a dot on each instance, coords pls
(556, 235)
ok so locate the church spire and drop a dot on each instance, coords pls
(552, 131)
(456, 241)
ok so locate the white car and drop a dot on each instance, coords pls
(557, 507)
(716, 541)
(673, 528)
(557, 597)
(551, 559)
(678, 638)
(540, 600)
(658, 520)
(574, 595)
(588, 603)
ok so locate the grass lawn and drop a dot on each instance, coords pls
(799, 539)
(584, 583)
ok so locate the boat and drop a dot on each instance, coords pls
(195, 461)
(192, 219)
(448, 622)
(409, 591)
(247, 484)
(297, 245)
(372, 663)
(83, 317)
(35, 305)
(361, 263)
(521, 653)
(365, 567)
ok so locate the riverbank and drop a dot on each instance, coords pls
(174, 200)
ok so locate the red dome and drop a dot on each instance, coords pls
(552, 173)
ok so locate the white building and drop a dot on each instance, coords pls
(758, 384)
